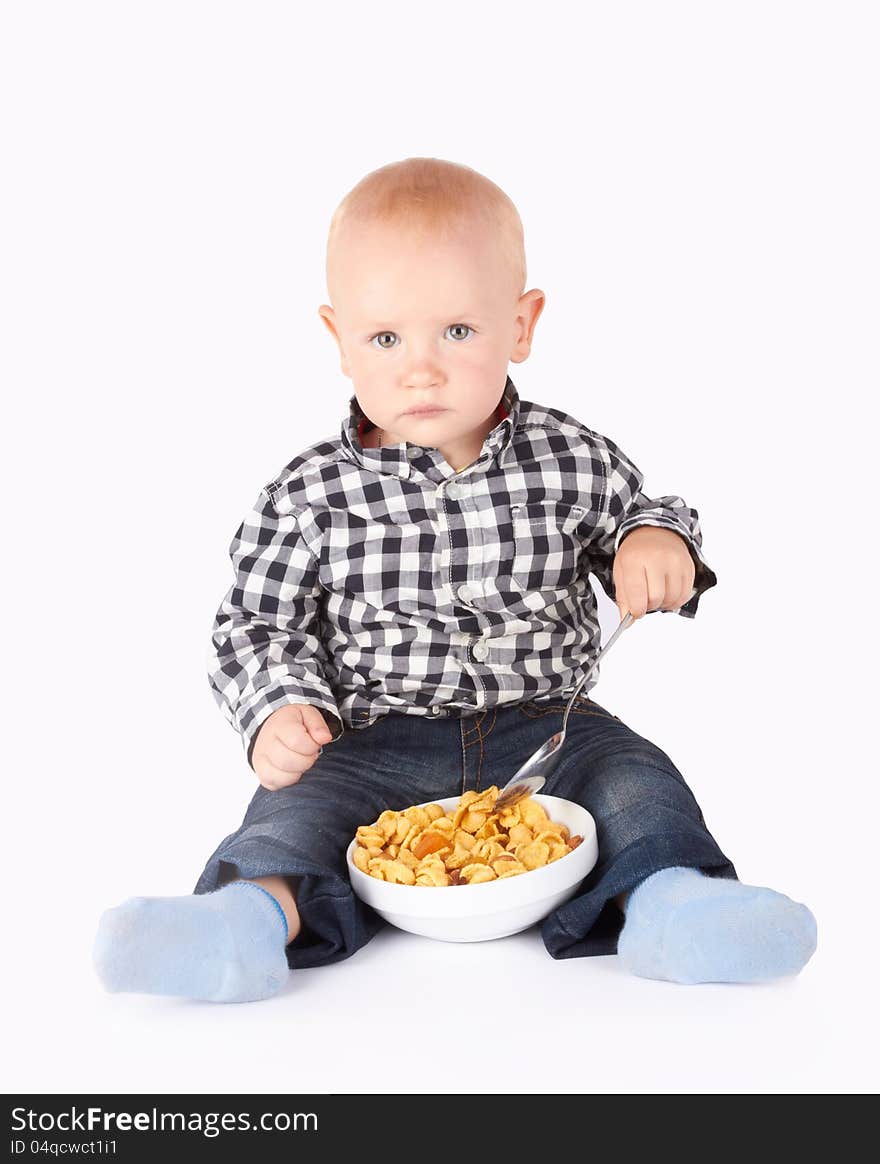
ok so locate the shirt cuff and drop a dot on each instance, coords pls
(704, 575)
(251, 716)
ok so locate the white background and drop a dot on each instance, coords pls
(699, 191)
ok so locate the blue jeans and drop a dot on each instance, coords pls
(646, 816)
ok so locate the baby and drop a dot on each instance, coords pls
(409, 613)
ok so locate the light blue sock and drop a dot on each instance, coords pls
(224, 946)
(686, 927)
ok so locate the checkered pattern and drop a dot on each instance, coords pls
(378, 580)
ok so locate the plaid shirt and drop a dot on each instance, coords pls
(378, 580)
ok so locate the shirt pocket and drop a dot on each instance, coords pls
(546, 548)
(384, 560)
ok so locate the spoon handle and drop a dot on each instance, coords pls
(626, 621)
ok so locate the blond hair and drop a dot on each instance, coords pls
(432, 195)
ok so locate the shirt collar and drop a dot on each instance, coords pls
(396, 459)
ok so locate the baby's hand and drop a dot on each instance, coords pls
(288, 743)
(653, 570)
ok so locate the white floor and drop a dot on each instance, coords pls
(410, 1015)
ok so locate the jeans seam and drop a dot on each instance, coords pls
(479, 731)
(465, 732)
(463, 757)
(482, 750)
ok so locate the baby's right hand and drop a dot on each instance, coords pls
(287, 744)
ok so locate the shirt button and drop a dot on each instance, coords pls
(435, 710)
(454, 491)
(413, 451)
(481, 650)
(465, 593)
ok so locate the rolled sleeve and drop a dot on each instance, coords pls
(266, 650)
(626, 507)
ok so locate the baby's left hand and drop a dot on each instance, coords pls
(653, 570)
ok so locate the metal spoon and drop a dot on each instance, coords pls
(534, 772)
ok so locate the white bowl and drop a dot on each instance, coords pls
(490, 909)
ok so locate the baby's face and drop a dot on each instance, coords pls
(424, 320)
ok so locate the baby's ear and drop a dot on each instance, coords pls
(328, 315)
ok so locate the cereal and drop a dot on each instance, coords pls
(394, 871)
(473, 874)
(469, 845)
(408, 858)
(532, 814)
(429, 842)
(533, 855)
(418, 816)
(370, 836)
(520, 834)
(361, 859)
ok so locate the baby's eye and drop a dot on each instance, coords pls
(391, 335)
